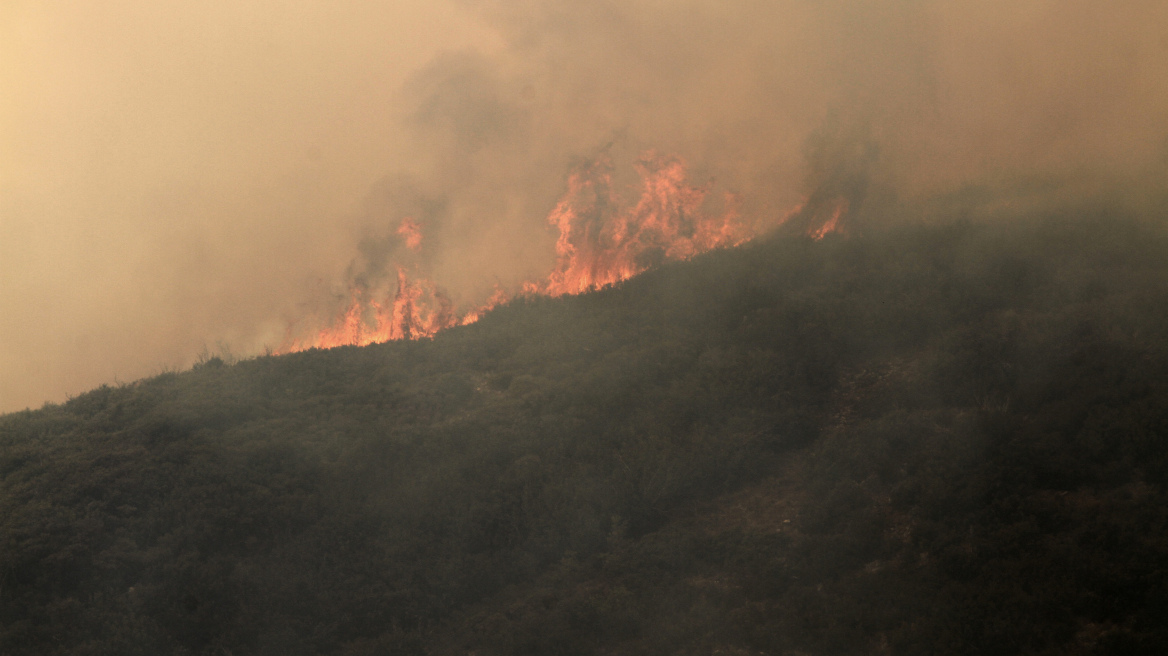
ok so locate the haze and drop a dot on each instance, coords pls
(181, 177)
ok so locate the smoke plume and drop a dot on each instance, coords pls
(174, 178)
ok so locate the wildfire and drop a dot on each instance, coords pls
(602, 240)
(832, 224)
(418, 309)
(498, 298)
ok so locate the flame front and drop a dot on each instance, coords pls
(418, 309)
(602, 240)
(832, 224)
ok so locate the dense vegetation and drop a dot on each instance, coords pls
(945, 439)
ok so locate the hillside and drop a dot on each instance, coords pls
(946, 439)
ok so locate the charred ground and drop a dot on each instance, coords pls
(945, 439)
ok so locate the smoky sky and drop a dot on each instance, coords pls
(185, 176)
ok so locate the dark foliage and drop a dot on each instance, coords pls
(933, 439)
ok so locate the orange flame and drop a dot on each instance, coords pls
(498, 298)
(602, 241)
(418, 309)
(832, 224)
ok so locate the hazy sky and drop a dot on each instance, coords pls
(181, 175)
(172, 174)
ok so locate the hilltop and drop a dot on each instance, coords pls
(943, 439)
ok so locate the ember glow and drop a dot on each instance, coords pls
(603, 240)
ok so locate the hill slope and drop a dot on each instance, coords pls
(945, 439)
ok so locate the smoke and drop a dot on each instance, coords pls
(784, 104)
(178, 177)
